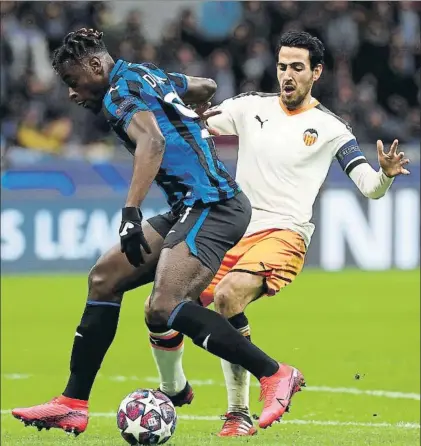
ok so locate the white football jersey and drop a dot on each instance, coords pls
(284, 156)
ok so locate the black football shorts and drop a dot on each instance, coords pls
(209, 230)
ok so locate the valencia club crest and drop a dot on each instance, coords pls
(310, 137)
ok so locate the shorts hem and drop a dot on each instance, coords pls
(264, 274)
(254, 273)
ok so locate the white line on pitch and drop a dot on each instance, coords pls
(210, 382)
(15, 376)
(322, 389)
(400, 425)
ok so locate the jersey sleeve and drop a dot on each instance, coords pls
(121, 104)
(179, 82)
(229, 121)
(372, 184)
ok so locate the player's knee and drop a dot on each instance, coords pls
(235, 291)
(157, 310)
(101, 285)
(228, 299)
(147, 304)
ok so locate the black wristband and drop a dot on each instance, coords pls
(131, 214)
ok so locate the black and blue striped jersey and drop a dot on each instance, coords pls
(190, 169)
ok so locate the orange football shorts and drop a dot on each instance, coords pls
(275, 254)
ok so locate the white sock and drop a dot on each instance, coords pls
(167, 350)
(237, 381)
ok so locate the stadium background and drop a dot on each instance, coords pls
(64, 179)
(371, 79)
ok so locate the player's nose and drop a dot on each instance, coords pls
(288, 74)
(72, 94)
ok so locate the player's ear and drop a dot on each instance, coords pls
(96, 65)
(317, 72)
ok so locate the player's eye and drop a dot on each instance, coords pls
(282, 67)
(71, 83)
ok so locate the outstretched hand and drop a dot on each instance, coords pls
(392, 163)
(204, 114)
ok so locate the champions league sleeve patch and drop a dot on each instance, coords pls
(126, 106)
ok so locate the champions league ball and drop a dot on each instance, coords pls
(146, 417)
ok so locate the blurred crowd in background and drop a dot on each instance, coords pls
(371, 76)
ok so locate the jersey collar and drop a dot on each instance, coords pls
(297, 111)
(117, 67)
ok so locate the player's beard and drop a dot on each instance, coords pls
(295, 100)
(95, 106)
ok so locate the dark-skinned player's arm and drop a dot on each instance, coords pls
(145, 133)
(199, 90)
(196, 92)
(193, 90)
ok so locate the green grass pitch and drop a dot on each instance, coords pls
(330, 325)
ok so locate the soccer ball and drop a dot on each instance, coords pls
(146, 417)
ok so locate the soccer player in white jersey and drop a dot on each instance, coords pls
(287, 142)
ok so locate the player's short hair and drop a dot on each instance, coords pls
(301, 39)
(77, 45)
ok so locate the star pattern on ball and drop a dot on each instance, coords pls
(150, 425)
(152, 403)
(134, 427)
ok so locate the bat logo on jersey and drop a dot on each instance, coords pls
(310, 137)
(259, 119)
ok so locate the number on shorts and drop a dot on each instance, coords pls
(185, 215)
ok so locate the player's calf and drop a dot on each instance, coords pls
(108, 280)
(95, 332)
(93, 337)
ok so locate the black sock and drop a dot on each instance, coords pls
(92, 340)
(241, 324)
(213, 332)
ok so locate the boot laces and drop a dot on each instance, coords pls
(267, 391)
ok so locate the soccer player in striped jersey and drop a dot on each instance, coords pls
(181, 250)
(287, 143)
